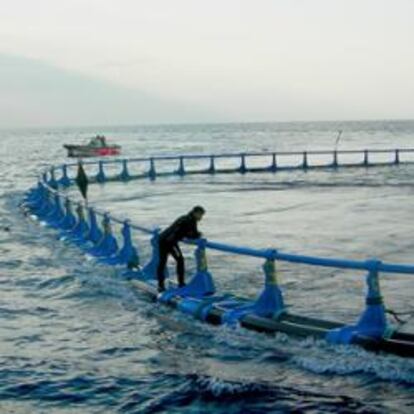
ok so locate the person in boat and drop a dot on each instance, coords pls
(98, 141)
(102, 140)
(185, 227)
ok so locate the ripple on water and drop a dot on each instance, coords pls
(210, 394)
(75, 337)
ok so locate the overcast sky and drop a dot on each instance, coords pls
(82, 62)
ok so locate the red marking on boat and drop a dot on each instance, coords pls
(108, 151)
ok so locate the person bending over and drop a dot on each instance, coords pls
(185, 227)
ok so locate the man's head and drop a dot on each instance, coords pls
(198, 212)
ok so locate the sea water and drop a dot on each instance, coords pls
(75, 337)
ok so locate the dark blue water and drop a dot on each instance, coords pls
(76, 337)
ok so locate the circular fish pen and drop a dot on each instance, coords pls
(91, 229)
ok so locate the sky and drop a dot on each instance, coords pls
(108, 62)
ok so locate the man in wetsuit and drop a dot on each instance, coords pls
(185, 227)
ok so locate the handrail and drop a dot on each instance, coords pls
(307, 260)
(142, 229)
(239, 154)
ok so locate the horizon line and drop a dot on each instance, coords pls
(195, 123)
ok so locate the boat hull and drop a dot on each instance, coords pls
(81, 151)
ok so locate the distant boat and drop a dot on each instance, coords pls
(96, 147)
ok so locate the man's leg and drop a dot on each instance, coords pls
(178, 256)
(163, 256)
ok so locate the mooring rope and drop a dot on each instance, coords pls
(396, 315)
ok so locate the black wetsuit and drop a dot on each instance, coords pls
(184, 227)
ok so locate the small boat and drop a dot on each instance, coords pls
(96, 147)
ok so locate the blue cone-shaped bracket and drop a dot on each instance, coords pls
(128, 255)
(152, 173)
(212, 167)
(366, 159)
(243, 168)
(305, 164)
(373, 322)
(32, 194)
(273, 166)
(80, 232)
(53, 204)
(52, 182)
(95, 234)
(397, 157)
(270, 302)
(56, 214)
(69, 220)
(34, 197)
(38, 195)
(64, 181)
(150, 269)
(181, 169)
(124, 176)
(202, 283)
(46, 206)
(107, 245)
(335, 159)
(101, 177)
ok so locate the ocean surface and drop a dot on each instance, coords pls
(75, 337)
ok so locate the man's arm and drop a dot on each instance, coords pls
(192, 231)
